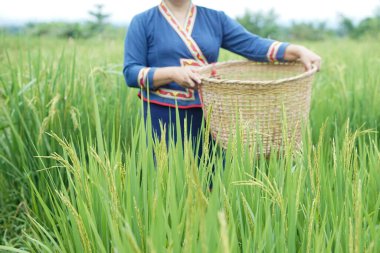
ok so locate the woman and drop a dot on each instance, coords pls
(164, 45)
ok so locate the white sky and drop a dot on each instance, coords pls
(123, 10)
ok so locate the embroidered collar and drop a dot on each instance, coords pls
(185, 32)
(189, 21)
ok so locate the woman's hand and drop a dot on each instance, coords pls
(306, 56)
(187, 77)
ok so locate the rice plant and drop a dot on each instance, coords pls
(79, 172)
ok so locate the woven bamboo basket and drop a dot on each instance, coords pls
(266, 103)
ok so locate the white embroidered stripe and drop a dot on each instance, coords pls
(139, 77)
(272, 52)
(188, 16)
(191, 27)
(146, 77)
(192, 98)
(143, 77)
(187, 39)
(173, 16)
(276, 48)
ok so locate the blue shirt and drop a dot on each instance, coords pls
(152, 42)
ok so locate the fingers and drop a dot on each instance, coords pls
(310, 59)
(194, 69)
(195, 77)
(190, 83)
(308, 65)
(191, 78)
(305, 55)
(318, 63)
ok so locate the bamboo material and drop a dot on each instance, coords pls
(259, 101)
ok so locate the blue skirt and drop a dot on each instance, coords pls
(167, 117)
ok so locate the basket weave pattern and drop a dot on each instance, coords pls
(261, 99)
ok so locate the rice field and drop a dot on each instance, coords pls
(77, 174)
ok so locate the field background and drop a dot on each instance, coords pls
(72, 157)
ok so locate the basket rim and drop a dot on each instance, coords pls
(303, 75)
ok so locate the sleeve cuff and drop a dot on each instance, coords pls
(145, 78)
(281, 51)
(276, 51)
(150, 78)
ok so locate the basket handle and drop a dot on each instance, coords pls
(208, 69)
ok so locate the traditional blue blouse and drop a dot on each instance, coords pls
(155, 40)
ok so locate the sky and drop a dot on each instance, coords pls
(16, 11)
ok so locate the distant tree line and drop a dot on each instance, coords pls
(97, 25)
(265, 24)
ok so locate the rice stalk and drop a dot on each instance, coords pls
(52, 112)
(223, 232)
(79, 222)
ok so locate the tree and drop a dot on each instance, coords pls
(368, 27)
(100, 18)
(346, 26)
(309, 31)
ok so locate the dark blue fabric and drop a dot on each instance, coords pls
(167, 116)
(152, 42)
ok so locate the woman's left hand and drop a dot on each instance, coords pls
(306, 56)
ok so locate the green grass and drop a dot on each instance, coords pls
(77, 175)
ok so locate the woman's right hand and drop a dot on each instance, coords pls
(187, 77)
